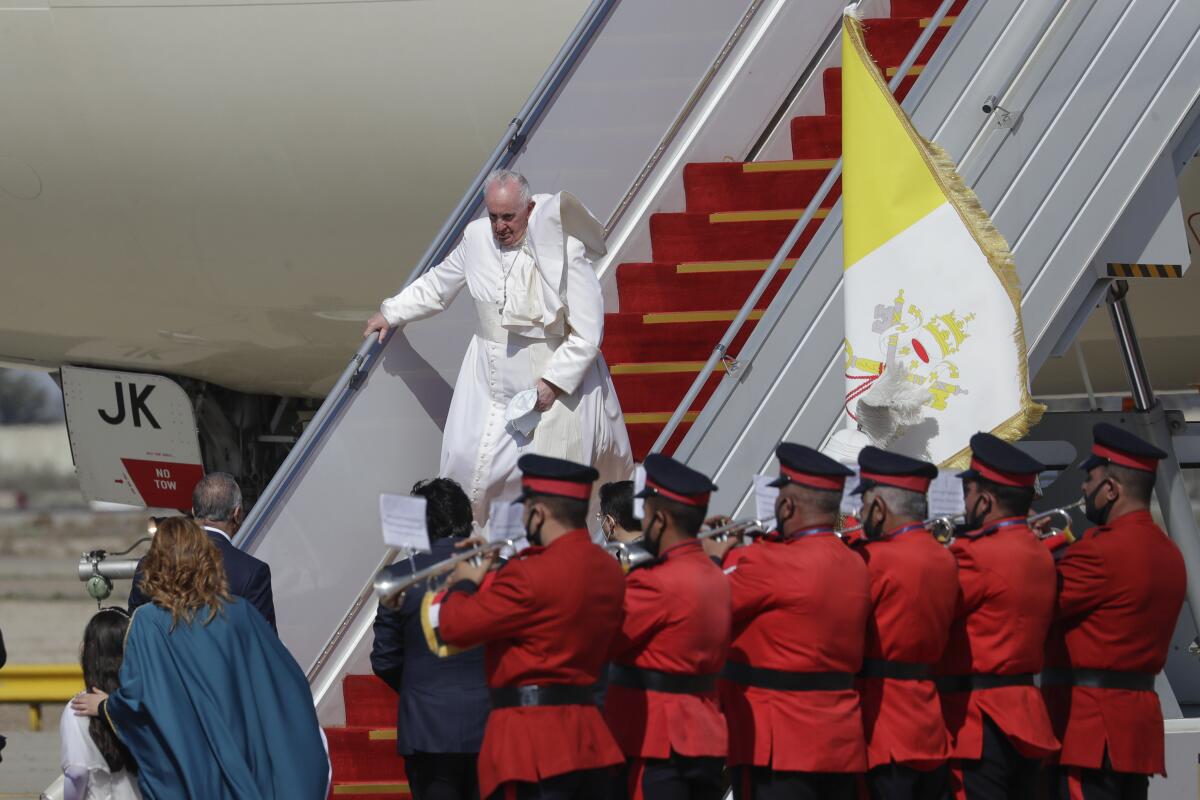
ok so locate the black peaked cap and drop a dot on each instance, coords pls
(882, 468)
(808, 467)
(675, 480)
(557, 477)
(998, 461)
(1119, 446)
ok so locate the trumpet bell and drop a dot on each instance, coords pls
(392, 585)
(629, 554)
(944, 529)
(395, 580)
(1059, 519)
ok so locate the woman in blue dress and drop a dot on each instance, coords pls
(211, 704)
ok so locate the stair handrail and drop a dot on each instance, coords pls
(364, 359)
(722, 347)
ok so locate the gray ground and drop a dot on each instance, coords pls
(43, 610)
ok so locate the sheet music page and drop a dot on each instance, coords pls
(403, 520)
(764, 500)
(945, 495)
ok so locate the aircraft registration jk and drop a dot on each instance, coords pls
(133, 437)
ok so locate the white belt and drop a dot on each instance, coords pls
(489, 328)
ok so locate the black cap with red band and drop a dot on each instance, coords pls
(880, 468)
(995, 460)
(809, 468)
(1112, 445)
(555, 477)
(670, 479)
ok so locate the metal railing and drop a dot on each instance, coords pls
(721, 349)
(364, 359)
(37, 684)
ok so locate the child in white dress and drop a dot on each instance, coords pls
(95, 765)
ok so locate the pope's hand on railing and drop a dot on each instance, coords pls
(377, 323)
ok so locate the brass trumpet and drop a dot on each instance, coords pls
(750, 528)
(943, 527)
(629, 554)
(392, 583)
(633, 554)
(1063, 515)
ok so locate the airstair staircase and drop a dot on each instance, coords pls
(1087, 99)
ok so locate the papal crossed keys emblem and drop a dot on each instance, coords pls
(927, 348)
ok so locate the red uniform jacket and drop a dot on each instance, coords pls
(801, 606)
(676, 620)
(914, 593)
(1006, 602)
(1055, 544)
(548, 617)
(1120, 589)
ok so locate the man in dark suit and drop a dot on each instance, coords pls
(443, 701)
(217, 507)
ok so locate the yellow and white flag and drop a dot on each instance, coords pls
(934, 346)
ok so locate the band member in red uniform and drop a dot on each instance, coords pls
(662, 690)
(914, 593)
(1120, 589)
(547, 619)
(994, 713)
(800, 603)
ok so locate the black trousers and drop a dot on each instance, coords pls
(583, 784)
(1074, 783)
(1001, 772)
(898, 782)
(675, 778)
(442, 776)
(763, 783)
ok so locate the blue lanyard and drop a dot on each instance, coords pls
(816, 530)
(1004, 523)
(909, 528)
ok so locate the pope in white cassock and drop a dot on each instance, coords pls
(539, 323)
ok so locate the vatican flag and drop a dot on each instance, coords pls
(934, 346)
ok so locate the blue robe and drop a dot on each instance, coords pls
(216, 711)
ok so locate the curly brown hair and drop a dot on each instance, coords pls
(183, 572)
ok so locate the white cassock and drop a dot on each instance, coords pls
(539, 314)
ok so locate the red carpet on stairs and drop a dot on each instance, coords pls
(708, 256)
(363, 752)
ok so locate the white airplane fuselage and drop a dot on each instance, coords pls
(225, 190)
